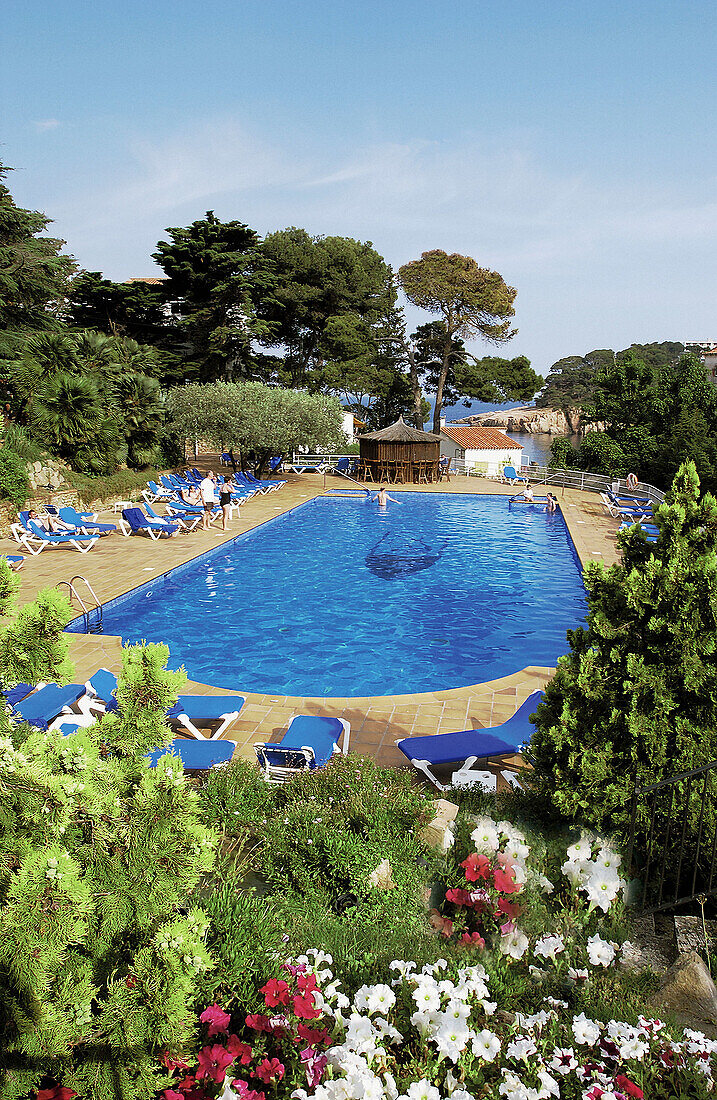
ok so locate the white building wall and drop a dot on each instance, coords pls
(348, 426)
(495, 460)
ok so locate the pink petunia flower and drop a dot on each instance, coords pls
(217, 1019)
(213, 1062)
(270, 1071)
(276, 992)
(314, 1064)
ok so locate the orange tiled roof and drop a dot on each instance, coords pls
(478, 438)
(147, 279)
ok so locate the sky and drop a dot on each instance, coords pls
(569, 146)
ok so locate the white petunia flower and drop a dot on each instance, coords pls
(600, 952)
(585, 1030)
(422, 1090)
(514, 944)
(486, 1045)
(521, 1049)
(546, 886)
(577, 975)
(547, 947)
(581, 850)
(563, 1060)
(602, 886)
(451, 1040)
(427, 997)
(485, 836)
(550, 1086)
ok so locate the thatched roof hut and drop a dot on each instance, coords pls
(400, 452)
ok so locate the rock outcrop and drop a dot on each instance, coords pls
(535, 421)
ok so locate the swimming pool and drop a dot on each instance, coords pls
(338, 598)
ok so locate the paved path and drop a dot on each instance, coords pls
(118, 565)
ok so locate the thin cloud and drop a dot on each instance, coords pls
(44, 124)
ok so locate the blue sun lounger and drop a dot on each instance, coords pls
(189, 712)
(468, 746)
(15, 561)
(43, 707)
(86, 522)
(309, 742)
(196, 755)
(29, 534)
(188, 521)
(139, 524)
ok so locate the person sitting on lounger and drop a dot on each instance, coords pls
(50, 524)
(383, 498)
(190, 496)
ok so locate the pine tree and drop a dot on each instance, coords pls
(636, 697)
(100, 944)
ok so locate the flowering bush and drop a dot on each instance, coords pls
(431, 1034)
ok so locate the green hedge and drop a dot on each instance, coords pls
(14, 482)
(125, 483)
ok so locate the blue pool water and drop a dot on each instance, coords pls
(336, 598)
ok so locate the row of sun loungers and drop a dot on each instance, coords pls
(83, 529)
(308, 743)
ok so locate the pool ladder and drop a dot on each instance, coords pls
(90, 626)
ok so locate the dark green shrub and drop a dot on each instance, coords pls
(636, 697)
(26, 448)
(14, 482)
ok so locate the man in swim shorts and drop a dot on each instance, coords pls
(383, 498)
(206, 491)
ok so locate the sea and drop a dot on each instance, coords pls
(536, 448)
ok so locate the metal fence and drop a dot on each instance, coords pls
(539, 475)
(673, 839)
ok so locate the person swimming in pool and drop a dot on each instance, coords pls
(383, 498)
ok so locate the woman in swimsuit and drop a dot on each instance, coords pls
(225, 499)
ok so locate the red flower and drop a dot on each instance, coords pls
(629, 1087)
(313, 1036)
(305, 983)
(269, 1070)
(504, 881)
(57, 1092)
(459, 897)
(217, 1019)
(171, 1094)
(476, 866)
(258, 1023)
(213, 1062)
(275, 993)
(474, 939)
(304, 1007)
(511, 909)
(245, 1092)
(241, 1051)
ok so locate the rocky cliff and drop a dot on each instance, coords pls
(535, 421)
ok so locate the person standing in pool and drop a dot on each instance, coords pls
(383, 498)
(552, 505)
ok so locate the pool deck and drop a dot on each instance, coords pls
(117, 565)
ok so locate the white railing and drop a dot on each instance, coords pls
(539, 475)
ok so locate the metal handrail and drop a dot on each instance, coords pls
(86, 612)
(543, 475)
(693, 852)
